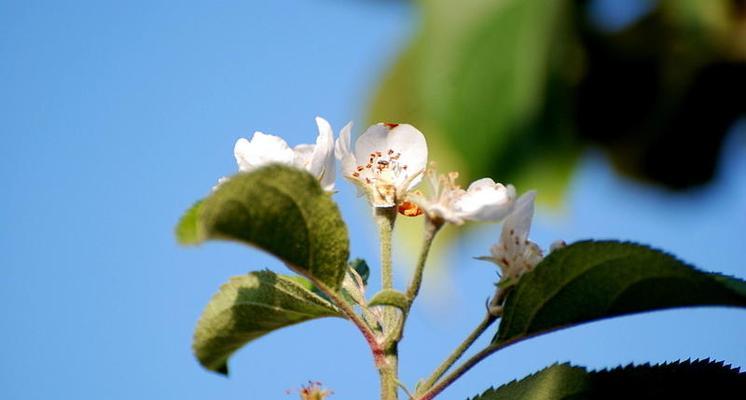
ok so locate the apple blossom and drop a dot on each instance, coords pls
(387, 161)
(514, 253)
(262, 149)
(483, 200)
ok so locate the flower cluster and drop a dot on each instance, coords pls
(386, 163)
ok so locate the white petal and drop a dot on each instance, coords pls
(518, 224)
(343, 146)
(401, 138)
(322, 162)
(262, 149)
(343, 150)
(411, 143)
(372, 140)
(303, 155)
(485, 200)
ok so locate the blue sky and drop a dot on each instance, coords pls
(115, 117)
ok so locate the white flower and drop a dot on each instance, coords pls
(387, 161)
(263, 149)
(483, 200)
(515, 254)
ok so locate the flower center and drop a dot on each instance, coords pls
(382, 168)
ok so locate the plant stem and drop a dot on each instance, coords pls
(349, 312)
(458, 352)
(389, 377)
(466, 366)
(389, 369)
(431, 229)
(385, 218)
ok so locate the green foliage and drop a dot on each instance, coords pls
(390, 297)
(516, 89)
(248, 307)
(360, 267)
(282, 210)
(680, 380)
(355, 282)
(481, 69)
(590, 280)
(187, 230)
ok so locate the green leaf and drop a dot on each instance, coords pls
(587, 281)
(360, 266)
(187, 230)
(390, 297)
(501, 70)
(248, 307)
(703, 379)
(355, 282)
(282, 210)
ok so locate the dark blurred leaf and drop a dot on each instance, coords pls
(515, 89)
(248, 307)
(587, 281)
(661, 94)
(475, 81)
(694, 380)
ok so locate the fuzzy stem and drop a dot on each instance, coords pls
(431, 229)
(385, 218)
(389, 370)
(466, 366)
(389, 379)
(458, 352)
(349, 312)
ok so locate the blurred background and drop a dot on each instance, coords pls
(627, 116)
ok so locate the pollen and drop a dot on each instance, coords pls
(409, 209)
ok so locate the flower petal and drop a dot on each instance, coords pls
(322, 161)
(403, 139)
(373, 139)
(411, 143)
(262, 149)
(343, 150)
(303, 156)
(518, 224)
(485, 200)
